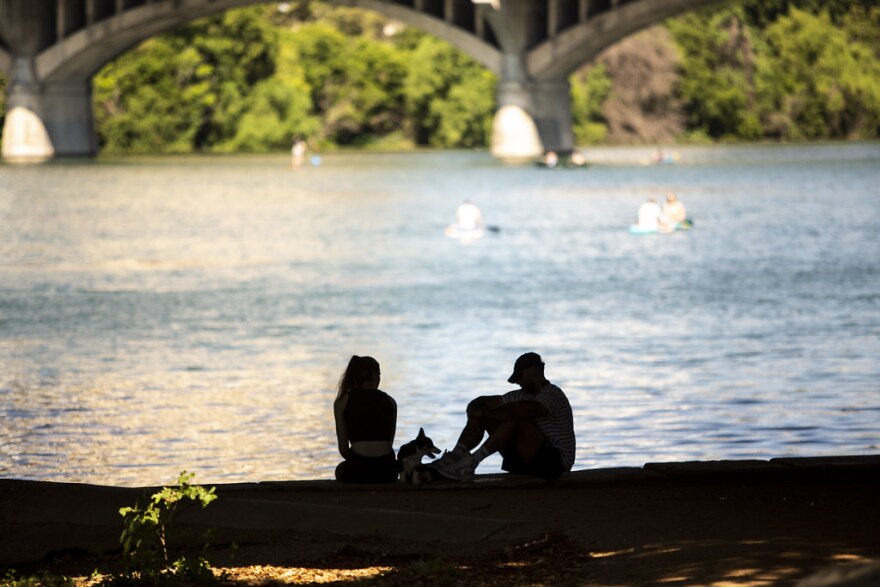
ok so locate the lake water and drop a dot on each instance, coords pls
(161, 314)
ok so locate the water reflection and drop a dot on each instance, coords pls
(194, 313)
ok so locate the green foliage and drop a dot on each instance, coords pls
(145, 537)
(43, 579)
(358, 98)
(862, 24)
(450, 98)
(251, 79)
(278, 108)
(804, 77)
(354, 22)
(185, 90)
(763, 13)
(590, 88)
(816, 83)
(717, 65)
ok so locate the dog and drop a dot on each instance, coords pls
(410, 455)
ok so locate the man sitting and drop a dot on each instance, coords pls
(673, 209)
(532, 427)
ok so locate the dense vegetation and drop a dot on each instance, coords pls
(252, 78)
(769, 69)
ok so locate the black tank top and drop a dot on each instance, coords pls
(369, 415)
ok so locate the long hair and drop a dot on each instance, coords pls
(359, 370)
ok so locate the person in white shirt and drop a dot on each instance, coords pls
(468, 216)
(650, 215)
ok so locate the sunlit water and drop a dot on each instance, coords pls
(161, 314)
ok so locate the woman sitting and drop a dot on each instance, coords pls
(366, 420)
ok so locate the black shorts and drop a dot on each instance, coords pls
(546, 463)
(360, 469)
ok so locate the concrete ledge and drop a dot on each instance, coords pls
(692, 468)
(39, 518)
(828, 463)
(350, 521)
(868, 465)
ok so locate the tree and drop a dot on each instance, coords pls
(356, 83)
(590, 88)
(450, 98)
(717, 67)
(814, 82)
(278, 108)
(187, 89)
(763, 13)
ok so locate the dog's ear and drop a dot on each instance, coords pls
(421, 433)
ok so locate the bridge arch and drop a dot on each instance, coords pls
(531, 45)
(84, 52)
(563, 54)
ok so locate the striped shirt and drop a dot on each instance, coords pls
(558, 425)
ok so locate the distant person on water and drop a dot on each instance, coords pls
(651, 216)
(468, 216)
(366, 421)
(551, 159)
(673, 209)
(298, 152)
(532, 427)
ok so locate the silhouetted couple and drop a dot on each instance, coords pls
(532, 427)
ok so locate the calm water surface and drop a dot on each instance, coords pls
(160, 314)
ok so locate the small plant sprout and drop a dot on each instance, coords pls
(145, 536)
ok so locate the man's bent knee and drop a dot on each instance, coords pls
(483, 403)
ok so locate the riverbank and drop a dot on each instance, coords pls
(703, 523)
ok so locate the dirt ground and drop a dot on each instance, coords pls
(687, 524)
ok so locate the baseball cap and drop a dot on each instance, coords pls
(523, 362)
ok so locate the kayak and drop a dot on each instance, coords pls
(685, 224)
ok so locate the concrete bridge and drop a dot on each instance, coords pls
(50, 49)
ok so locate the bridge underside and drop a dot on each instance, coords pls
(50, 49)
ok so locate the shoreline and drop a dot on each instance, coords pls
(690, 523)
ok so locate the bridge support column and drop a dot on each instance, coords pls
(514, 132)
(69, 118)
(25, 136)
(552, 112)
(47, 119)
(532, 118)
(534, 114)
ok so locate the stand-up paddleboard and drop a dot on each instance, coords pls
(456, 231)
(566, 165)
(685, 224)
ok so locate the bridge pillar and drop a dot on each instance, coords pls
(534, 114)
(552, 112)
(514, 132)
(69, 118)
(43, 118)
(24, 133)
(47, 119)
(532, 118)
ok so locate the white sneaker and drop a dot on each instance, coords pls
(456, 468)
(448, 457)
